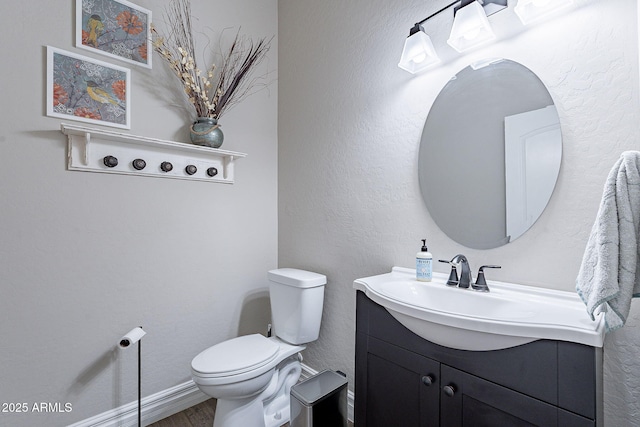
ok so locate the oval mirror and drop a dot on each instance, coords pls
(490, 154)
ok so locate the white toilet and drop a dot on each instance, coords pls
(251, 375)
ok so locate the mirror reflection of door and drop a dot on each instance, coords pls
(533, 149)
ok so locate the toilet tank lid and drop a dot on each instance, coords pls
(297, 278)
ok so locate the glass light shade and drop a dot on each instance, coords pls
(418, 53)
(470, 28)
(532, 10)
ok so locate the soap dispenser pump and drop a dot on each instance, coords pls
(424, 263)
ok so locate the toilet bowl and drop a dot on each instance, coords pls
(251, 376)
(247, 374)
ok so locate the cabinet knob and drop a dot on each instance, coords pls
(110, 161)
(428, 380)
(449, 390)
(166, 166)
(139, 164)
(212, 171)
(191, 169)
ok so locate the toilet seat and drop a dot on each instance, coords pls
(235, 356)
(254, 351)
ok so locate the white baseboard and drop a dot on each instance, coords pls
(153, 408)
(166, 403)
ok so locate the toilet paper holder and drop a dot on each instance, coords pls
(132, 337)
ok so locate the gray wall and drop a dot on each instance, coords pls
(85, 257)
(349, 132)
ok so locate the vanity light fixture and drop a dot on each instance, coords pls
(531, 10)
(470, 28)
(418, 53)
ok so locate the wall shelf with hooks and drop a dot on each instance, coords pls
(98, 150)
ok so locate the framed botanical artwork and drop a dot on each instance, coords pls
(88, 90)
(115, 28)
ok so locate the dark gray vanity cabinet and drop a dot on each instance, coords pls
(405, 380)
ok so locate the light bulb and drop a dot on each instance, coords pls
(470, 35)
(470, 28)
(419, 58)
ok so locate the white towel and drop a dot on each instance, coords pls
(609, 276)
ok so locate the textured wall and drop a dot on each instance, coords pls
(349, 131)
(85, 257)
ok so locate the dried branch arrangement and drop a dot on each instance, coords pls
(213, 90)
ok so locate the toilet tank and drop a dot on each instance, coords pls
(296, 304)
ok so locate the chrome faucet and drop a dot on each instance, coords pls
(458, 261)
(465, 274)
(465, 270)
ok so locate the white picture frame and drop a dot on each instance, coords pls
(87, 90)
(115, 28)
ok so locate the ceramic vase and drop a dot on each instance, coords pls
(206, 131)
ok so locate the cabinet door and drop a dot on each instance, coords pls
(470, 401)
(402, 388)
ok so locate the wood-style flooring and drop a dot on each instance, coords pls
(197, 416)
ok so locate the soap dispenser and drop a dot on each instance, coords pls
(424, 263)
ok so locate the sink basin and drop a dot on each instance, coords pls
(507, 316)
